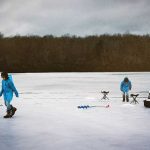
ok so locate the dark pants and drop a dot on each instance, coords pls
(125, 96)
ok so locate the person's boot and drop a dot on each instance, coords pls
(8, 115)
(123, 97)
(127, 98)
(14, 109)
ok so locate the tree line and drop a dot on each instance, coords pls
(75, 54)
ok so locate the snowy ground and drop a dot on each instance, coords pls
(48, 117)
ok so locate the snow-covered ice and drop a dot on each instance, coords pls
(48, 117)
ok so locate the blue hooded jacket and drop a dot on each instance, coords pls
(125, 86)
(7, 89)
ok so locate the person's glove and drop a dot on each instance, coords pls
(17, 95)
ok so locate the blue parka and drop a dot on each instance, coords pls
(8, 89)
(125, 86)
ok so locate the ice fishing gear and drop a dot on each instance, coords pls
(134, 96)
(148, 94)
(147, 103)
(105, 93)
(87, 106)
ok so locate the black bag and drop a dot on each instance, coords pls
(147, 103)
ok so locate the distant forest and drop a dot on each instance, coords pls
(67, 53)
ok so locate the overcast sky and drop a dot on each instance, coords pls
(76, 17)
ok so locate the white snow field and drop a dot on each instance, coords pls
(48, 117)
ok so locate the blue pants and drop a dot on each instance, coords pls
(8, 105)
(125, 93)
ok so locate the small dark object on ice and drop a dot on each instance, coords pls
(149, 95)
(105, 93)
(147, 103)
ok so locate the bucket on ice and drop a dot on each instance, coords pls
(147, 103)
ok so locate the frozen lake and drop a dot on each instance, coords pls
(48, 117)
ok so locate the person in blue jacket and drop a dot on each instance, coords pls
(125, 87)
(7, 91)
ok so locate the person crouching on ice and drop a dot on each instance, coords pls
(7, 91)
(125, 87)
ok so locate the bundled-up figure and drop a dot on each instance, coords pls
(7, 91)
(125, 87)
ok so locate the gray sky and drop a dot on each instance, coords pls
(76, 17)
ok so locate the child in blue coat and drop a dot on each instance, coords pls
(125, 87)
(7, 91)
